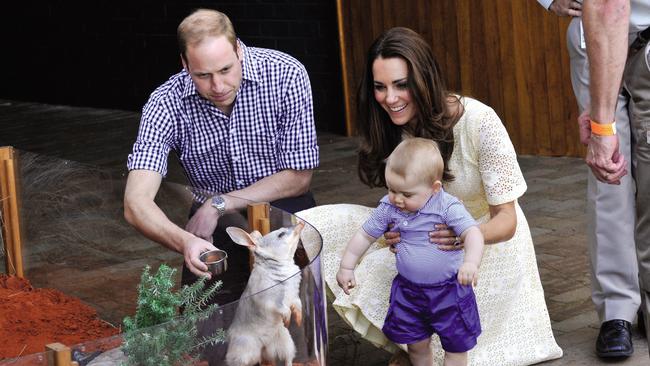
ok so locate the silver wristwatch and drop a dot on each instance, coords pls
(220, 204)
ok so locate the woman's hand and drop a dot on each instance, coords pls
(392, 238)
(445, 238)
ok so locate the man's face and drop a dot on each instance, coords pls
(216, 70)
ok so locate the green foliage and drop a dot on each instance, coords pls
(157, 336)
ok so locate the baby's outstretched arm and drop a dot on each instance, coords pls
(468, 272)
(356, 247)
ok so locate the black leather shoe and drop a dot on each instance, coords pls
(615, 339)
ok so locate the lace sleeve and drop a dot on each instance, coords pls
(502, 178)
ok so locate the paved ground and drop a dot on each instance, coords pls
(97, 141)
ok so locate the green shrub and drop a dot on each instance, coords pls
(157, 336)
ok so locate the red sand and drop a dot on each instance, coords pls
(31, 317)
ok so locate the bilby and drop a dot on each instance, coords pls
(259, 329)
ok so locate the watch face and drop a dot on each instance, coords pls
(219, 203)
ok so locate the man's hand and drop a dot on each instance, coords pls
(468, 274)
(204, 221)
(564, 8)
(191, 253)
(584, 127)
(607, 164)
(345, 279)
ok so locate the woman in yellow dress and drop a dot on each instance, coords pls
(403, 95)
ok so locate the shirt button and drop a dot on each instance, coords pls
(240, 181)
(405, 223)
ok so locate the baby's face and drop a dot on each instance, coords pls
(409, 195)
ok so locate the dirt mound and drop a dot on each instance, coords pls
(32, 317)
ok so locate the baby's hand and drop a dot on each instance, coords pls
(468, 274)
(345, 279)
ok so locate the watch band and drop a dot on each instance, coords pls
(603, 129)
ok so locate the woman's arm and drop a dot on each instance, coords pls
(500, 227)
(502, 223)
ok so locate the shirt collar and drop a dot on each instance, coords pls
(189, 89)
(249, 64)
(428, 208)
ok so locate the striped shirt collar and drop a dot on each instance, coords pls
(432, 206)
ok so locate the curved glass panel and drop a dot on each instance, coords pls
(76, 240)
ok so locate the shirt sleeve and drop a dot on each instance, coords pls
(458, 218)
(497, 160)
(377, 223)
(298, 148)
(153, 143)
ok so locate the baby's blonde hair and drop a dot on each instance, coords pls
(417, 157)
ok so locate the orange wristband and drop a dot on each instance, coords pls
(603, 129)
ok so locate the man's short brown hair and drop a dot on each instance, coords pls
(201, 24)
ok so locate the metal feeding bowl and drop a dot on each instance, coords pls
(216, 260)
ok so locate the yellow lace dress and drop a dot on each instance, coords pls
(514, 318)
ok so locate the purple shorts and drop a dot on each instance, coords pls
(447, 308)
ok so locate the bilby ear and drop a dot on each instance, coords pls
(256, 236)
(241, 237)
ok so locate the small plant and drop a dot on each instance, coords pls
(157, 336)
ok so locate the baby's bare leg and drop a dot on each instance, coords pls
(420, 353)
(455, 359)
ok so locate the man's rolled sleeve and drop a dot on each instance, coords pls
(152, 146)
(298, 147)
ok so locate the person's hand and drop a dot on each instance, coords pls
(392, 238)
(565, 8)
(604, 159)
(584, 127)
(191, 253)
(204, 221)
(345, 279)
(445, 238)
(468, 274)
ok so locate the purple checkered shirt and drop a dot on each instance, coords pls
(271, 126)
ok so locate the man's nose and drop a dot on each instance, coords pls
(217, 84)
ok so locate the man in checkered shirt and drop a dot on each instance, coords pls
(240, 120)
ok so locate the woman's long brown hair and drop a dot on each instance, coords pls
(434, 119)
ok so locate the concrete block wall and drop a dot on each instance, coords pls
(112, 54)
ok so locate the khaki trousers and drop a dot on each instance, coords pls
(610, 209)
(636, 83)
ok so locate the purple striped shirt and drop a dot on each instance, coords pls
(271, 126)
(417, 259)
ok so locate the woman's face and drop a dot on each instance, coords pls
(392, 92)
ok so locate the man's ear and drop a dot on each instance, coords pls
(184, 63)
(437, 185)
(240, 53)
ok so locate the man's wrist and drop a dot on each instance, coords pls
(602, 129)
(219, 203)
